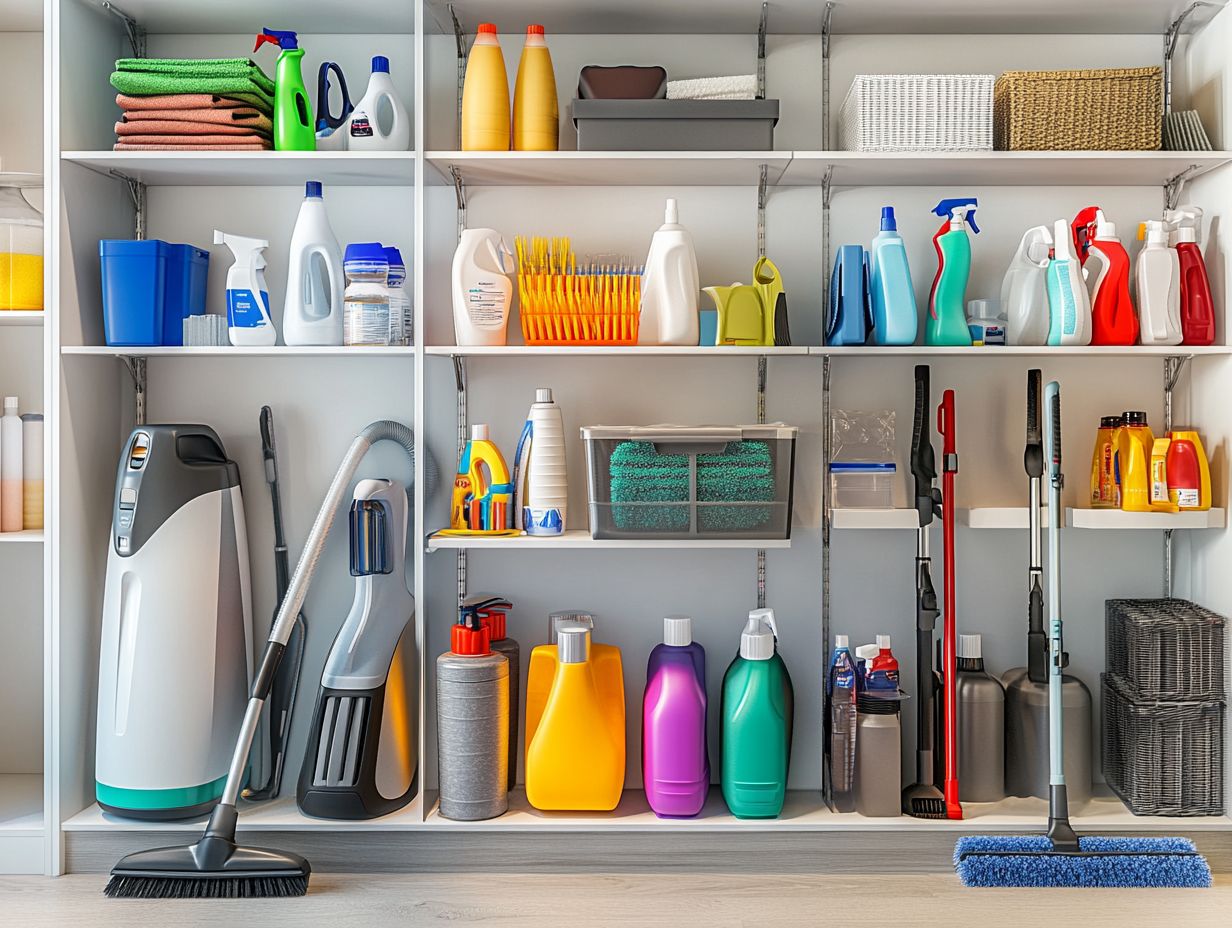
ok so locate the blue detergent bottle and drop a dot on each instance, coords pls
(896, 319)
(947, 304)
(849, 318)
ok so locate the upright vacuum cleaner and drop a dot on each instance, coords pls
(1026, 688)
(362, 748)
(216, 866)
(176, 649)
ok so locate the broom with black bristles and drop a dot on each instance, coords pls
(216, 867)
(1061, 858)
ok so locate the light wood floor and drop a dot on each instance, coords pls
(709, 901)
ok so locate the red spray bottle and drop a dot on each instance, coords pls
(1197, 307)
(1113, 318)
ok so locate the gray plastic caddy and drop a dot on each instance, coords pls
(675, 125)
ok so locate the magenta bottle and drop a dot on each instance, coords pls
(675, 762)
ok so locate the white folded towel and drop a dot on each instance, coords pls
(735, 87)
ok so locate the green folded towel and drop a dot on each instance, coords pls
(240, 78)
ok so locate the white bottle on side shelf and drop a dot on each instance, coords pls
(670, 285)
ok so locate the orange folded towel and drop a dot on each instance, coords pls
(183, 127)
(246, 117)
(233, 146)
(178, 101)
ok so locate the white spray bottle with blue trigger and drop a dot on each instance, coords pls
(248, 313)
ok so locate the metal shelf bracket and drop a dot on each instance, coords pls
(826, 32)
(459, 35)
(459, 191)
(133, 29)
(1174, 366)
(761, 51)
(136, 193)
(136, 368)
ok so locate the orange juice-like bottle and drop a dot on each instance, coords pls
(1103, 477)
(485, 95)
(575, 754)
(536, 118)
(1134, 441)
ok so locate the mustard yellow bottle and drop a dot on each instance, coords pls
(485, 95)
(575, 753)
(1103, 477)
(1134, 441)
(536, 118)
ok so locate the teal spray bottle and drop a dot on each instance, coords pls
(293, 129)
(947, 317)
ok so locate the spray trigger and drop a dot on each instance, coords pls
(959, 209)
(283, 38)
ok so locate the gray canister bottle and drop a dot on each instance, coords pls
(981, 726)
(1026, 736)
(879, 757)
(472, 709)
(493, 612)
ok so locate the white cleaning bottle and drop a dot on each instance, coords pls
(1157, 277)
(1024, 294)
(482, 290)
(312, 313)
(541, 484)
(670, 285)
(363, 127)
(1069, 303)
(10, 468)
(248, 306)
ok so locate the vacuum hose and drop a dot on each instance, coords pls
(284, 622)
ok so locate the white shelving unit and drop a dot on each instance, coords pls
(610, 202)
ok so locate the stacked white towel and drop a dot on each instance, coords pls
(735, 87)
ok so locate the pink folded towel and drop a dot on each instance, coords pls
(244, 116)
(234, 146)
(183, 127)
(178, 101)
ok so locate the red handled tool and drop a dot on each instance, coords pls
(949, 646)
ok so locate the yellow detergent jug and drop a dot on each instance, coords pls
(1134, 441)
(575, 753)
(485, 95)
(536, 118)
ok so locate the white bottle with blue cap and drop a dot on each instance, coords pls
(312, 313)
(379, 121)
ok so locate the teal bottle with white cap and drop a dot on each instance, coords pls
(896, 320)
(756, 721)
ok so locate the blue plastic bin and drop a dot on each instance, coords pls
(187, 269)
(134, 290)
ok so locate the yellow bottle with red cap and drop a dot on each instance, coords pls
(485, 95)
(536, 115)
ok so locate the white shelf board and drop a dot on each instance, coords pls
(804, 810)
(906, 17)
(236, 17)
(640, 351)
(994, 168)
(21, 317)
(995, 352)
(31, 537)
(842, 518)
(279, 814)
(606, 168)
(230, 351)
(581, 539)
(21, 805)
(1115, 519)
(1012, 517)
(253, 168)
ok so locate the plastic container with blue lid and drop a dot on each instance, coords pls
(862, 484)
(365, 304)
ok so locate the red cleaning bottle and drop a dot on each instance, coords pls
(1184, 474)
(1113, 319)
(1197, 307)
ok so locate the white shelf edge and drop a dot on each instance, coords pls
(1116, 520)
(229, 351)
(875, 519)
(27, 536)
(581, 540)
(25, 317)
(675, 351)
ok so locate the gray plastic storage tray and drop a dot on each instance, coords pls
(675, 125)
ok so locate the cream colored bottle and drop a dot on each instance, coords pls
(485, 95)
(536, 116)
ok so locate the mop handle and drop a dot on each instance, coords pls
(1052, 440)
(949, 468)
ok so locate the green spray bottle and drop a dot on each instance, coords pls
(755, 723)
(947, 304)
(293, 129)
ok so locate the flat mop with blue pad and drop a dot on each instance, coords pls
(1061, 858)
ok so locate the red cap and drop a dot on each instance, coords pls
(487, 28)
(471, 642)
(534, 29)
(494, 622)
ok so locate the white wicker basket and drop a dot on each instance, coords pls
(917, 112)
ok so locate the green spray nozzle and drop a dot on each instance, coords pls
(284, 39)
(959, 210)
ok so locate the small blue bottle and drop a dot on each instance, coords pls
(896, 318)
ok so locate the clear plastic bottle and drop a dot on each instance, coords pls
(401, 317)
(21, 246)
(841, 716)
(365, 304)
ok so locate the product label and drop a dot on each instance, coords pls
(1159, 481)
(361, 128)
(485, 302)
(986, 334)
(243, 310)
(1185, 499)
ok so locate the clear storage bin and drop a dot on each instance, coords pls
(862, 485)
(668, 481)
(21, 245)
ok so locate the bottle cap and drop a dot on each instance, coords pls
(31, 417)
(867, 652)
(312, 188)
(380, 64)
(1110, 422)
(393, 256)
(568, 617)
(969, 647)
(373, 252)
(479, 432)
(492, 610)
(543, 395)
(671, 213)
(841, 641)
(1134, 417)
(495, 620)
(487, 29)
(534, 29)
(883, 642)
(678, 630)
(1103, 228)
(757, 639)
(10, 404)
(573, 643)
(888, 222)
(470, 637)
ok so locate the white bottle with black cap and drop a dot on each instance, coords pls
(981, 726)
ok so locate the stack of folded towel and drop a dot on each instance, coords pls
(203, 104)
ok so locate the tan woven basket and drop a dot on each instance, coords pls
(1112, 109)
